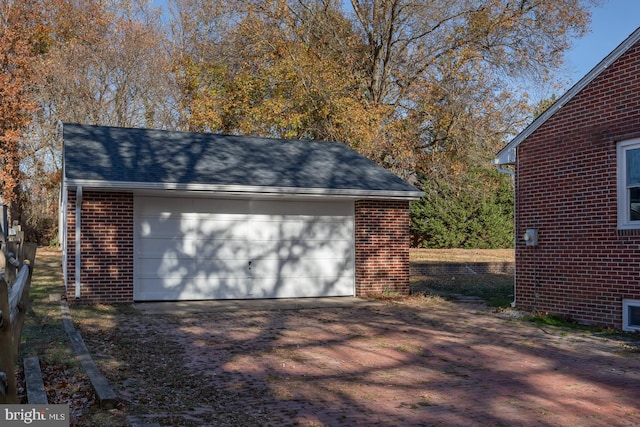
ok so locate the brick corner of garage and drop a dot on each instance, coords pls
(395, 281)
(382, 247)
(105, 294)
(382, 289)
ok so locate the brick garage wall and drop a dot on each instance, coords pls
(382, 247)
(107, 247)
(566, 188)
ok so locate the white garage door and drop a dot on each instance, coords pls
(190, 248)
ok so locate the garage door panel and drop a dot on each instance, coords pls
(195, 289)
(174, 266)
(302, 268)
(328, 230)
(148, 287)
(292, 208)
(274, 229)
(231, 207)
(221, 287)
(294, 250)
(164, 227)
(213, 227)
(304, 228)
(309, 287)
(221, 267)
(222, 249)
(158, 247)
(164, 206)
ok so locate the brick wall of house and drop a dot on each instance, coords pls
(107, 247)
(382, 247)
(566, 188)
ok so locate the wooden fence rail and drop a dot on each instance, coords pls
(18, 259)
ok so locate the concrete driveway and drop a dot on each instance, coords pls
(413, 362)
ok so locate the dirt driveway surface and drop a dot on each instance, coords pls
(413, 362)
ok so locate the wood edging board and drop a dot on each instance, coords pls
(105, 394)
(36, 395)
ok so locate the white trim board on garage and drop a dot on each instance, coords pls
(205, 248)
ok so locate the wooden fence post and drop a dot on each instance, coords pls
(12, 262)
(14, 303)
(28, 256)
(8, 392)
(4, 223)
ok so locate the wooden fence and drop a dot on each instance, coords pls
(17, 258)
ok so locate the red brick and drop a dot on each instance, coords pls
(382, 247)
(566, 188)
(106, 268)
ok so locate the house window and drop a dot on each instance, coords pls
(630, 315)
(629, 184)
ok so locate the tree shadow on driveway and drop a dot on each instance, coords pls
(409, 361)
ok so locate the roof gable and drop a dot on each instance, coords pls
(114, 157)
(507, 155)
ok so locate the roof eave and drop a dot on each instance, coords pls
(507, 154)
(249, 191)
(505, 157)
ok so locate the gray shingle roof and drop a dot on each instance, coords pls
(142, 158)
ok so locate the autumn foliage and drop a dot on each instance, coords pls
(428, 89)
(18, 53)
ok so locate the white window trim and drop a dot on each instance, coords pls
(624, 222)
(626, 303)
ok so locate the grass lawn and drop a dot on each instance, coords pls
(44, 336)
(461, 255)
(495, 289)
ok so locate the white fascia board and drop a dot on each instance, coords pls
(507, 154)
(505, 157)
(249, 191)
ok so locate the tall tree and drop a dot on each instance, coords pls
(272, 73)
(426, 88)
(107, 65)
(21, 36)
(428, 59)
(400, 80)
(91, 61)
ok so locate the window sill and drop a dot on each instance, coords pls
(629, 231)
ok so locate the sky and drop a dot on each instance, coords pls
(611, 24)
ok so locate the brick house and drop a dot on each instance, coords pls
(157, 215)
(577, 206)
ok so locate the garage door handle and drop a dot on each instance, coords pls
(249, 265)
